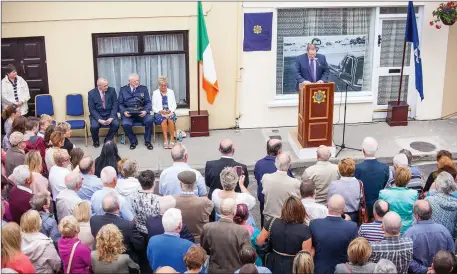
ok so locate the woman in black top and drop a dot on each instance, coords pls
(108, 157)
(65, 128)
(442, 165)
(288, 235)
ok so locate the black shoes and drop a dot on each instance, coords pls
(133, 145)
(149, 146)
(96, 145)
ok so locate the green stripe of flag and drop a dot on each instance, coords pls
(203, 40)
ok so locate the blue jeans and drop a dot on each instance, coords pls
(147, 121)
(95, 127)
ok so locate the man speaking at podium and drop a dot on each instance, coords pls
(311, 67)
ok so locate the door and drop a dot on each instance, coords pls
(389, 51)
(28, 55)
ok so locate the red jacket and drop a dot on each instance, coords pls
(20, 263)
(19, 202)
(37, 143)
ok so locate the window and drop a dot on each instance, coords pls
(333, 23)
(150, 54)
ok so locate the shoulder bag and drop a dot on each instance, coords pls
(267, 247)
(71, 256)
(363, 214)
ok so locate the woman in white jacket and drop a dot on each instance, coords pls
(15, 90)
(38, 247)
(164, 106)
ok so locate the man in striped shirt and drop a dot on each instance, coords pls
(373, 231)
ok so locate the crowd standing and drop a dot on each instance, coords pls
(63, 211)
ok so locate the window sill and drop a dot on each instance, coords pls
(292, 100)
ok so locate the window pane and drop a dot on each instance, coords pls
(388, 89)
(117, 70)
(324, 22)
(164, 42)
(122, 44)
(396, 10)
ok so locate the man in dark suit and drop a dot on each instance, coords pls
(372, 173)
(133, 241)
(331, 236)
(213, 168)
(311, 67)
(135, 105)
(102, 102)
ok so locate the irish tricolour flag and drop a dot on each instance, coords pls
(205, 57)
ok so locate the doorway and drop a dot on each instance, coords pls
(28, 55)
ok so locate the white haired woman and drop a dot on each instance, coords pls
(164, 106)
(229, 180)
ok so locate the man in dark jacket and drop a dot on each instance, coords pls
(373, 174)
(102, 102)
(133, 241)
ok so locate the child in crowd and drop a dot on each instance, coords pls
(41, 202)
(9, 113)
(65, 128)
(45, 122)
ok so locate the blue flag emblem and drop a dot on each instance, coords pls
(257, 31)
(412, 35)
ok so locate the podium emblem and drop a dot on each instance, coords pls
(319, 97)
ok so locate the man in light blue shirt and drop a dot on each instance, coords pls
(169, 183)
(109, 179)
(91, 183)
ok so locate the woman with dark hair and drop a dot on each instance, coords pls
(76, 155)
(109, 156)
(288, 235)
(9, 114)
(19, 124)
(249, 257)
(6, 185)
(47, 135)
(241, 218)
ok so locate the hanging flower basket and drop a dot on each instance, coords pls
(446, 13)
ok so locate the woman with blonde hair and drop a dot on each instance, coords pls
(400, 198)
(12, 256)
(303, 263)
(35, 163)
(359, 251)
(57, 139)
(108, 256)
(164, 106)
(82, 213)
(65, 129)
(38, 247)
(74, 254)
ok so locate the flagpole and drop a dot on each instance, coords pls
(198, 87)
(401, 72)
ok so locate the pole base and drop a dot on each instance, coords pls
(199, 123)
(397, 114)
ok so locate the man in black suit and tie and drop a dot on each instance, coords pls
(133, 241)
(311, 67)
(102, 102)
(213, 169)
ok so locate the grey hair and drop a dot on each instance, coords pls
(39, 200)
(445, 183)
(72, 180)
(400, 160)
(166, 202)
(134, 75)
(385, 266)
(229, 178)
(283, 161)
(188, 187)
(130, 168)
(20, 174)
(171, 219)
(323, 153)
(111, 202)
(423, 209)
(408, 154)
(162, 79)
(100, 80)
(60, 156)
(228, 207)
(178, 152)
(107, 175)
(392, 223)
(370, 146)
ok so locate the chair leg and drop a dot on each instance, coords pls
(153, 133)
(85, 132)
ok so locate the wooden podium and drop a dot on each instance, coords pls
(315, 114)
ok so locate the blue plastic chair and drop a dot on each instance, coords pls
(75, 107)
(43, 105)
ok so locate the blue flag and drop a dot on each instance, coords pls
(257, 31)
(411, 35)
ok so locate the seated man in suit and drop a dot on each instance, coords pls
(311, 67)
(102, 102)
(135, 105)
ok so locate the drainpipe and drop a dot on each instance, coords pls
(239, 69)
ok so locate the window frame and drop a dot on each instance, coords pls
(141, 52)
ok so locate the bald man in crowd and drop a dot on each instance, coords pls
(394, 248)
(266, 165)
(322, 174)
(213, 169)
(102, 102)
(331, 236)
(91, 183)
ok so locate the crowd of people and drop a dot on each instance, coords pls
(63, 211)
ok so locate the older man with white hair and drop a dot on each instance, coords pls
(372, 173)
(394, 248)
(401, 160)
(168, 248)
(135, 106)
(108, 177)
(322, 174)
(278, 186)
(102, 102)
(385, 266)
(69, 198)
(21, 193)
(223, 240)
(58, 172)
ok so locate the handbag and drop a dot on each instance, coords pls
(267, 247)
(71, 256)
(363, 214)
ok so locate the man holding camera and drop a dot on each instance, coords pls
(135, 106)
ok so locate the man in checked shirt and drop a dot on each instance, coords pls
(393, 248)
